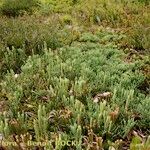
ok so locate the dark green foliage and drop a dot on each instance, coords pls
(16, 7)
(25, 36)
(140, 37)
(29, 33)
(144, 1)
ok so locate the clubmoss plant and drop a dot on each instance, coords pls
(40, 125)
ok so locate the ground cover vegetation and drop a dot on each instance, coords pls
(76, 71)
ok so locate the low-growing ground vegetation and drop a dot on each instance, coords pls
(77, 71)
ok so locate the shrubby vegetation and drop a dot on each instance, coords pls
(74, 70)
(13, 8)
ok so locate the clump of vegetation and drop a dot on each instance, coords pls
(29, 36)
(13, 8)
(29, 32)
(139, 37)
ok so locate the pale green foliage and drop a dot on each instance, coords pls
(76, 132)
(4, 125)
(40, 125)
(66, 81)
(144, 108)
(55, 64)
